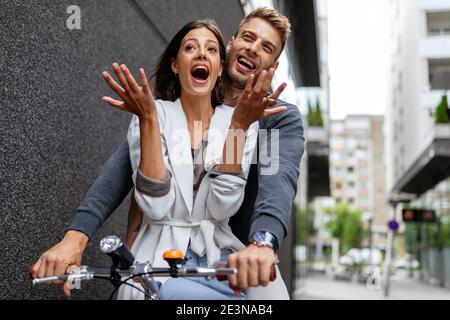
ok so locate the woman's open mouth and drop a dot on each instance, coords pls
(200, 73)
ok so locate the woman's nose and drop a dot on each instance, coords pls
(201, 53)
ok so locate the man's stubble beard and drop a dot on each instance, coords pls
(231, 79)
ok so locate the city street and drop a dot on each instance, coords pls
(320, 286)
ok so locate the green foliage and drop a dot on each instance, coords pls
(441, 115)
(411, 235)
(346, 225)
(305, 224)
(318, 113)
(445, 232)
(314, 117)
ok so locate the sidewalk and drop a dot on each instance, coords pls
(323, 287)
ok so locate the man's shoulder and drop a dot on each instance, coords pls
(291, 116)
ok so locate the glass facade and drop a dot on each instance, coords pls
(430, 243)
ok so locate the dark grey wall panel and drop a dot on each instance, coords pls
(55, 133)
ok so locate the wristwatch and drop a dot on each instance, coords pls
(264, 239)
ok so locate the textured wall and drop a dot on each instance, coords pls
(55, 133)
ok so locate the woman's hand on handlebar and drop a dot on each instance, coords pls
(137, 99)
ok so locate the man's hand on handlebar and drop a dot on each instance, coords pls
(254, 267)
(57, 259)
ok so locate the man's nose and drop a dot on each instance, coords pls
(253, 48)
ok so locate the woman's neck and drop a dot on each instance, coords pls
(198, 111)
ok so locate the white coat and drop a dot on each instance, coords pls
(174, 221)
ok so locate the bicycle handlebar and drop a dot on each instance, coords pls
(86, 273)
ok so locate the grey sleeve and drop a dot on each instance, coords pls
(276, 192)
(108, 191)
(152, 187)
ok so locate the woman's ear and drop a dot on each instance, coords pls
(174, 67)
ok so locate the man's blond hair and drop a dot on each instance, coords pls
(276, 20)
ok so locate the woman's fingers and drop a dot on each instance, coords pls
(130, 79)
(114, 85)
(115, 103)
(144, 82)
(121, 76)
(274, 111)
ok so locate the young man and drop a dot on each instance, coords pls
(262, 220)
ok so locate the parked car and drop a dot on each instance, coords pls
(361, 256)
(408, 262)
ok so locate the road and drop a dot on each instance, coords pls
(321, 286)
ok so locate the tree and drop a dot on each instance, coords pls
(310, 117)
(346, 225)
(441, 115)
(314, 115)
(318, 114)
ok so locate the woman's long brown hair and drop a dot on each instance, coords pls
(167, 84)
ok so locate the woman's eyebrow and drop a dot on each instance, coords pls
(198, 41)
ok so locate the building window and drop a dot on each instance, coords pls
(439, 74)
(438, 23)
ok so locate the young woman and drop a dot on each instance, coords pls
(176, 144)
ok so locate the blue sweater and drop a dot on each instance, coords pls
(268, 196)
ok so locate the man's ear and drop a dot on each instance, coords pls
(230, 43)
(275, 65)
(174, 67)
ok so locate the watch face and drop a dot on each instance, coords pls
(259, 236)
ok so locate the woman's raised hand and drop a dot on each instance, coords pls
(137, 99)
(253, 104)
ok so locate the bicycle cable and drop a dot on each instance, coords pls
(121, 282)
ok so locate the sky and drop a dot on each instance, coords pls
(358, 57)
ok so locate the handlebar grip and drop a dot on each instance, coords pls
(272, 277)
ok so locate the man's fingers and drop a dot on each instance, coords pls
(34, 268)
(258, 88)
(50, 267)
(66, 289)
(274, 111)
(114, 85)
(232, 263)
(114, 103)
(130, 79)
(264, 271)
(42, 267)
(248, 86)
(279, 90)
(242, 272)
(269, 103)
(60, 270)
(268, 80)
(253, 272)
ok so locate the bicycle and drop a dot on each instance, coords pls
(125, 265)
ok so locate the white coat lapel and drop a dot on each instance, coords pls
(179, 149)
(218, 128)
